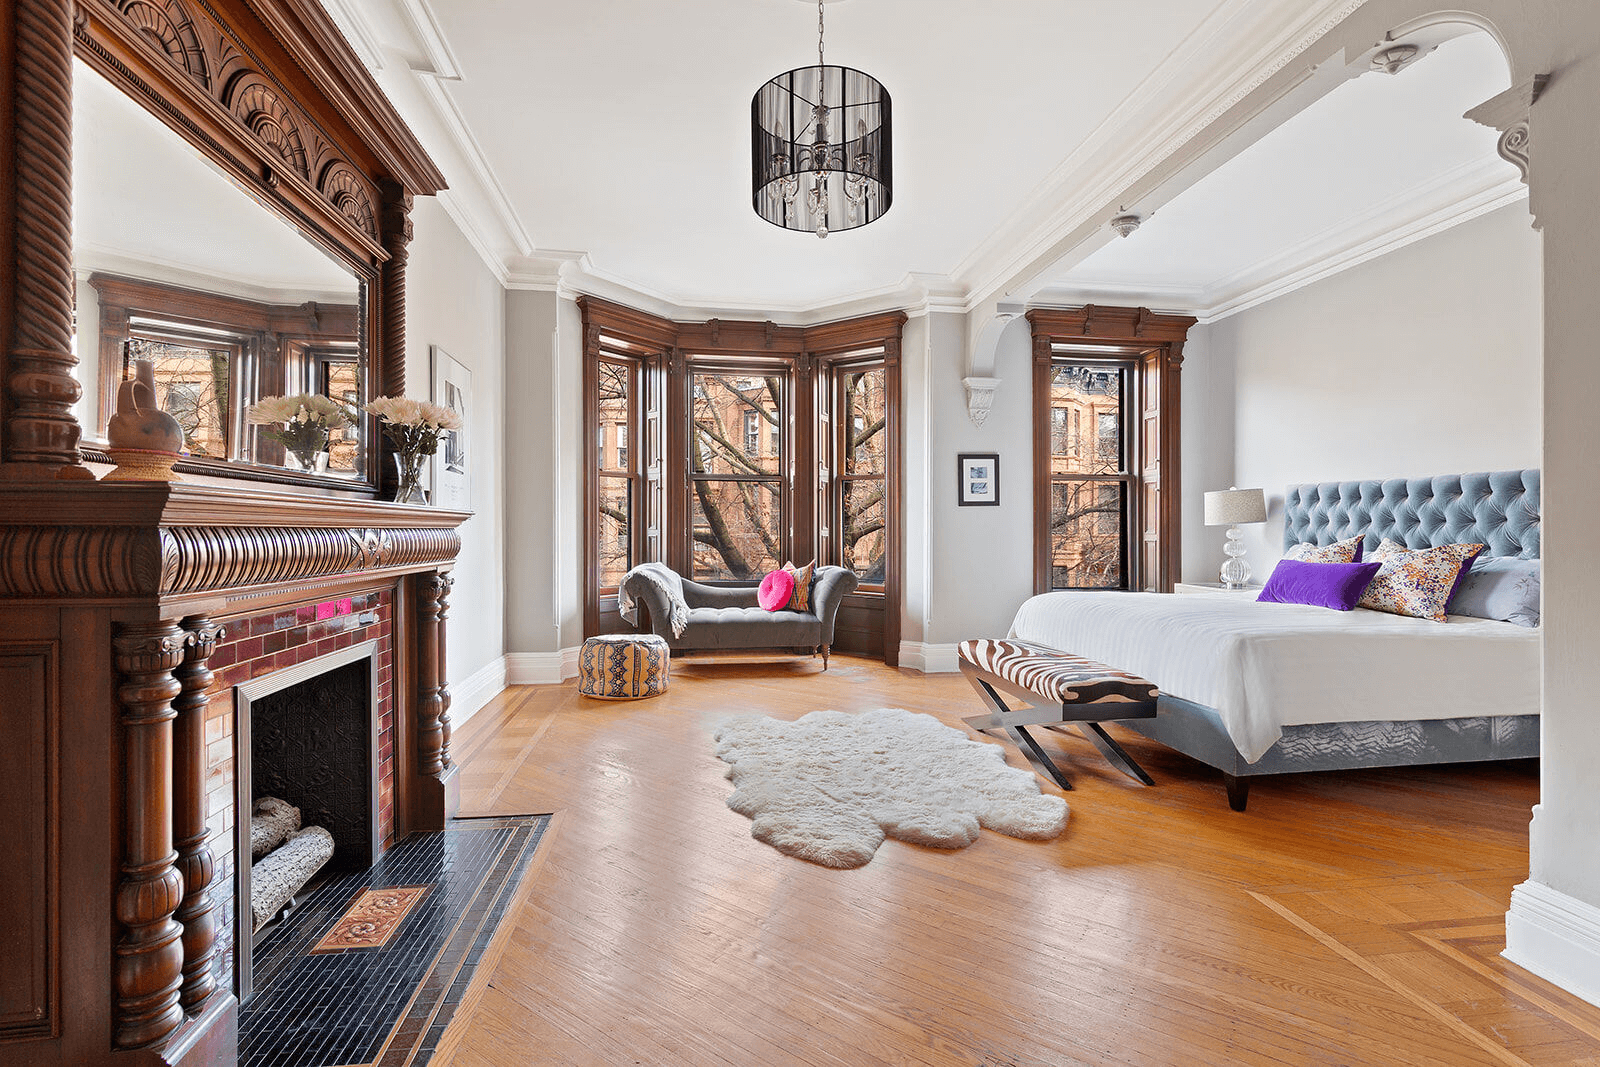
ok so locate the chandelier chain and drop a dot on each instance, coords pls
(820, 63)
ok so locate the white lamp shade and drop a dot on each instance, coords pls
(1234, 507)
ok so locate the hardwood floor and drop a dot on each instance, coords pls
(1350, 918)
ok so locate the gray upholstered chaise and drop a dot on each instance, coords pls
(728, 617)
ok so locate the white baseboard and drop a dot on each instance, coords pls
(1555, 936)
(470, 695)
(541, 668)
(929, 659)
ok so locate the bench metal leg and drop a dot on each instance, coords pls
(1018, 735)
(1114, 753)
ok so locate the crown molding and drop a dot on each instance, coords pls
(357, 29)
(574, 274)
(441, 59)
(1415, 215)
(1207, 76)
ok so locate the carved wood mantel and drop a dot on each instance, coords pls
(113, 596)
(127, 588)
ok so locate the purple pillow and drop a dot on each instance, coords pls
(1322, 585)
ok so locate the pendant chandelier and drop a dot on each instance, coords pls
(819, 145)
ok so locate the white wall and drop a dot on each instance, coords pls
(1425, 361)
(454, 302)
(543, 401)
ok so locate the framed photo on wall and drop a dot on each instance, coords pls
(979, 479)
(452, 476)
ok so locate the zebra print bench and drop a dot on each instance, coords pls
(1059, 689)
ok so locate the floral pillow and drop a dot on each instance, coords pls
(1418, 583)
(800, 599)
(1346, 551)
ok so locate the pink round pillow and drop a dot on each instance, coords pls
(776, 589)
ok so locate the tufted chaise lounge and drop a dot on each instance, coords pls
(728, 617)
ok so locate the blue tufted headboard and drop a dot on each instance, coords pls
(1500, 509)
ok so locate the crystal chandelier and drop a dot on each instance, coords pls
(819, 146)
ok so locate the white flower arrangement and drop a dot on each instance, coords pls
(414, 425)
(305, 419)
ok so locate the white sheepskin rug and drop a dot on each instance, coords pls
(828, 786)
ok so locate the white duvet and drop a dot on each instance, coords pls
(1267, 666)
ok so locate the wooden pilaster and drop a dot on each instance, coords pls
(197, 912)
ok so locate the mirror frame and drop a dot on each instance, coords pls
(328, 153)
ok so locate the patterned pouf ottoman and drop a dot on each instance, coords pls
(623, 666)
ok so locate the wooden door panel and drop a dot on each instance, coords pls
(28, 837)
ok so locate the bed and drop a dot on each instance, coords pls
(1255, 689)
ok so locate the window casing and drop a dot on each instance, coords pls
(748, 461)
(1107, 397)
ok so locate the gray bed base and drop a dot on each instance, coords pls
(1500, 509)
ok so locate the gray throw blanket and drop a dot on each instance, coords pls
(663, 578)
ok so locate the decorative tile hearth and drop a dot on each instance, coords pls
(372, 919)
(441, 895)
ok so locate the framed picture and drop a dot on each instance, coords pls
(979, 479)
(452, 475)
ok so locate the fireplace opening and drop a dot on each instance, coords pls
(307, 767)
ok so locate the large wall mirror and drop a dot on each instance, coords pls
(180, 264)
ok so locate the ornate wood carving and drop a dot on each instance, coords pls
(432, 722)
(101, 562)
(41, 435)
(197, 912)
(448, 584)
(148, 967)
(392, 321)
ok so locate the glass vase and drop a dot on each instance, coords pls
(305, 459)
(408, 478)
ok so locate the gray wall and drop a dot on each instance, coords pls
(1424, 361)
(453, 301)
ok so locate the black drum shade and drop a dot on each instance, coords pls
(820, 150)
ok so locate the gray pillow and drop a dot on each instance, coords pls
(1503, 588)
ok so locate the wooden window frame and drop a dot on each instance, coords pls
(1152, 344)
(671, 352)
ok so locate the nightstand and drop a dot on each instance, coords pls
(1249, 592)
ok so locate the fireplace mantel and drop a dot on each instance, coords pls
(181, 548)
(113, 599)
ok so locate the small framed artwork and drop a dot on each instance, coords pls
(452, 387)
(979, 474)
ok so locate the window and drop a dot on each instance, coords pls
(1088, 478)
(861, 487)
(1105, 444)
(737, 492)
(618, 488)
(726, 448)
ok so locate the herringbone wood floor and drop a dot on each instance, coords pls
(1344, 919)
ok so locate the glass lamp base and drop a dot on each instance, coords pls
(1235, 570)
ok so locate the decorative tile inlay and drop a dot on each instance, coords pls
(372, 919)
(388, 1006)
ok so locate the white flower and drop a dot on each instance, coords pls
(304, 409)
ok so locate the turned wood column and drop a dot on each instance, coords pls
(41, 434)
(446, 584)
(197, 914)
(432, 720)
(395, 219)
(148, 967)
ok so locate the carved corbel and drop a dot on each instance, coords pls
(1511, 113)
(980, 397)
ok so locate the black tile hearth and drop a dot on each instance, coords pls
(387, 1006)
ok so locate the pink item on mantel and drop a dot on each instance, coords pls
(776, 589)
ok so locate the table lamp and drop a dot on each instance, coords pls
(1230, 508)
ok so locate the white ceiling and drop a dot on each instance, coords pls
(621, 128)
(1355, 166)
(146, 205)
(613, 136)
